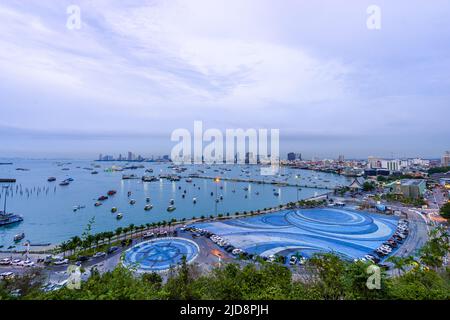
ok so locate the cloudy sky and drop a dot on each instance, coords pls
(137, 70)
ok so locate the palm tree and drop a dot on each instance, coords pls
(118, 233)
(132, 228)
(64, 246)
(109, 236)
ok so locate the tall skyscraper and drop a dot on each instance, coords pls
(341, 158)
(445, 161)
(291, 156)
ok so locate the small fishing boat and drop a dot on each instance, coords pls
(188, 180)
(119, 216)
(171, 208)
(64, 183)
(51, 179)
(172, 202)
(94, 172)
(113, 209)
(79, 207)
(148, 207)
(276, 194)
(97, 204)
(19, 237)
(132, 201)
(194, 200)
(112, 192)
(102, 198)
(147, 200)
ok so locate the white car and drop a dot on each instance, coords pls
(28, 264)
(5, 262)
(6, 275)
(61, 262)
(236, 251)
(100, 254)
(271, 258)
(16, 262)
(293, 260)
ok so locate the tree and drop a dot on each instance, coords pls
(445, 210)
(437, 247)
(368, 186)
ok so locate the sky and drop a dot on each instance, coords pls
(137, 70)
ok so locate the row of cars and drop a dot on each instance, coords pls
(17, 262)
(387, 247)
(238, 252)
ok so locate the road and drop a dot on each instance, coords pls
(418, 234)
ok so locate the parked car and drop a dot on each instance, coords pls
(7, 275)
(293, 260)
(5, 262)
(112, 249)
(61, 262)
(99, 254)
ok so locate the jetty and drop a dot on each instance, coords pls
(6, 180)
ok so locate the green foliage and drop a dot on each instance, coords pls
(445, 210)
(368, 186)
(327, 276)
(438, 170)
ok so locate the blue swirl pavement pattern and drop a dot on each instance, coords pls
(160, 254)
(306, 231)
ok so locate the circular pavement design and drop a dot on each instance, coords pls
(160, 254)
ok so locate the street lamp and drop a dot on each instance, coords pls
(216, 181)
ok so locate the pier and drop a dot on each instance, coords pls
(275, 183)
(7, 180)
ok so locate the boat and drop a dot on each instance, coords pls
(132, 201)
(148, 207)
(102, 198)
(79, 207)
(188, 180)
(172, 201)
(149, 179)
(97, 204)
(194, 200)
(276, 194)
(171, 208)
(112, 192)
(129, 177)
(8, 218)
(113, 209)
(119, 216)
(94, 172)
(147, 200)
(19, 237)
(51, 179)
(64, 183)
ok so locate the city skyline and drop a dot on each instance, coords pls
(135, 72)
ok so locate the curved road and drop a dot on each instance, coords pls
(418, 234)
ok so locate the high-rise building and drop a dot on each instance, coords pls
(291, 156)
(100, 157)
(341, 158)
(130, 156)
(445, 161)
(373, 162)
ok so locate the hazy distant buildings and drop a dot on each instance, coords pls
(445, 161)
(291, 156)
(341, 158)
